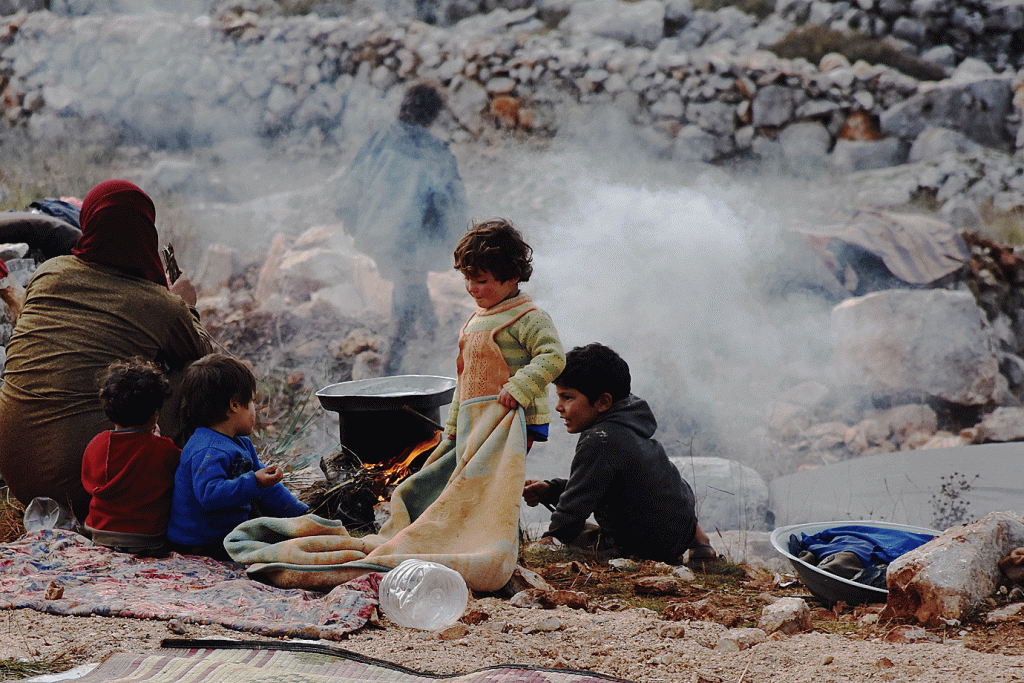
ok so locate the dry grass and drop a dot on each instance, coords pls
(761, 9)
(814, 42)
(12, 516)
(16, 669)
(33, 170)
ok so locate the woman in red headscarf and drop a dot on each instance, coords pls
(108, 302)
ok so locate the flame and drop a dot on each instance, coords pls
(399, 468)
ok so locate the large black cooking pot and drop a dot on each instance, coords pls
(380, 418)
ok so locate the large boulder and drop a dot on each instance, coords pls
(946, 578)
(977, 108)
(729, 495)
(921, 342)
(863, 155)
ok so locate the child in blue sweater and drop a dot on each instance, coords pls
(220, 482)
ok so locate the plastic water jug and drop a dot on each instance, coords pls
(423, 595)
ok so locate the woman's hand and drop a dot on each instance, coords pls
(184, 289)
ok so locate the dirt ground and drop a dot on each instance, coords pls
(621, 633)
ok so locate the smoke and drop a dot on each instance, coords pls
(690, 272)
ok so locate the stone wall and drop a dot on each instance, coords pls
(704, 91)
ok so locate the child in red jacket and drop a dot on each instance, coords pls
(129, 470)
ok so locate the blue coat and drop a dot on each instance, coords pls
(403, 201)
(215, 489)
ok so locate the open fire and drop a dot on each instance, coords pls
(354, 489)
(402, 466)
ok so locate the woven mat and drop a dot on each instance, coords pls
(192, 661)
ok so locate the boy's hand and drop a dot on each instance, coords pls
(535, 492)
(506, 399)
(269, 476)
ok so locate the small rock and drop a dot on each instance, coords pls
(909, 634)
(176, 627)
(453, 632)
(737, 639)
(1011, 612)
(698, 610)
(545, 625)
(474, 617)
(786, 615)
(523, 579)
(528, 599)
(684, 573)
(54, 591)
(622, 563)
(672, 631)
(659, 585)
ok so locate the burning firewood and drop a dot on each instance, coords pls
(353, 488)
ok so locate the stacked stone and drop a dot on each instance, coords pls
(705, 94)
(945, 31)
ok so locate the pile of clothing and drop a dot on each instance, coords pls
(855, 552)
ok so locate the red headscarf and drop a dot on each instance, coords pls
(118, 230)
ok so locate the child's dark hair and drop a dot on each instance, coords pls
(497, 248)
(131, 392)
(595, 369)
(421, 104)
(211, 384)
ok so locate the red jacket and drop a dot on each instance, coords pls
(130, 476)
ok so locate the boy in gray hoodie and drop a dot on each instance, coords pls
(619, 473)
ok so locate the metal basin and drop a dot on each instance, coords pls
(826, 586)
(422, 393)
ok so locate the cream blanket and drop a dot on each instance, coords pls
(461, 510)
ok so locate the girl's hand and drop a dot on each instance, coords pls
(506, 399)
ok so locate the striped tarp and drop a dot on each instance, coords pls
(193, 661)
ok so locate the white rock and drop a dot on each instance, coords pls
(1003, 424)
(730, 495)
(737, 639)
(788, 615)
(949, 576)
(859, 155)
(933, 342)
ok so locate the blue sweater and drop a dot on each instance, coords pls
(215, 488)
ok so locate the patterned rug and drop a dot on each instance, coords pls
(61, 572)
(192, 661)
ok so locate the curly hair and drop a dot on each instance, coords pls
(494, 247)
(211, 384)
(131, 392)
(593, 370)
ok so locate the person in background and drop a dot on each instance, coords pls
(619, 473)
(509, 347)
(220, 481)
(404, 204)
(129, 470)
(107, 301)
